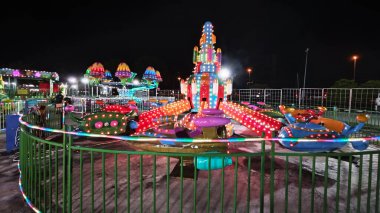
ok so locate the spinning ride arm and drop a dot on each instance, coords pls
(256, 121)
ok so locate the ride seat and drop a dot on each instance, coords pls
(209, 132)
(331, 124)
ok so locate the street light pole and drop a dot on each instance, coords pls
(249, 70)
(179, 93)
(355, 57)
(304, 76)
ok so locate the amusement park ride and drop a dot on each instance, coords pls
(206, 114)
(97, 75)
(23, 84)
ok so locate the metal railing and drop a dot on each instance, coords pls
(9, 108)
(71, 174)
(86, 105)
(348, 99)
(165, 94)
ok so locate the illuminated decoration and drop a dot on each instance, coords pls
(120, 109)
(19, 73)
(107, 76)
(158, 76)
(108, 123)
(96, 73)
(98, 125)
(1, 83)
(87, 76)
(183, 87)
(55, 76)
(27, 200)
(256, 121)
(195, 140)
(301, 115)
(114, 123)
(229, 87)
(29, 73)
(126, 77)
(193, 87)
(215, 87)
(205, 85)
(37, 74)
(2, 94)
(16, 73)
(149, 119)
(124, 73)
(150, 74)
(88, 70)
(69, 108)
(46, 75)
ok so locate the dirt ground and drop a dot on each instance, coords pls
(171, 185)
(11, 199)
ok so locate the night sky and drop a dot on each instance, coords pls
(270, 36)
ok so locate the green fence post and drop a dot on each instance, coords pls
(69, 167)
(326, 176)
(235, 182)
(154, 182)
(115, 181)
(312, 185)
(248, 183)
(167, 183)
(104, 181)
(272, 158)
(262, 174)
(300, 160)
(369, 183)
(64, 171)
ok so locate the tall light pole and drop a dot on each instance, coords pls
(72, 80)
(249, 70)
(304, 76)
(179, 81)
(355, 57)
(85, 82)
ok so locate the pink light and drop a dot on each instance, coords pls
(16, 73)
(37, 74)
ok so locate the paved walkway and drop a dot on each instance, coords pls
(11, 199)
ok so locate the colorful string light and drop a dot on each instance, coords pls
(205, 85)
(27, 200)
(194, 140)
(256, 121)
(20, 73)
(150, 119)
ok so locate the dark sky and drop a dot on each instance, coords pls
(270, 36)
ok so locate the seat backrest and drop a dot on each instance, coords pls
(331, 124)
(209, 132)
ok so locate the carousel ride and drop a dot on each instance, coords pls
(204, 121)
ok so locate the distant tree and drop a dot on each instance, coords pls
(344, 83)
(371, 84)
